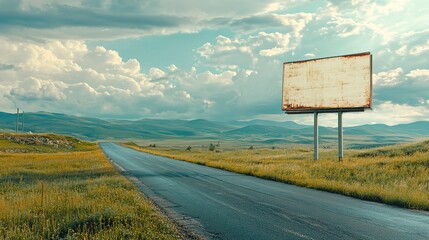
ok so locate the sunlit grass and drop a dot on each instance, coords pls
(396, 175)
(67, 144)
(73, 195)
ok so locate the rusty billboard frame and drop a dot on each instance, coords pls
(339, 110)
(297, 109)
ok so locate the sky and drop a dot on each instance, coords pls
(216, 60)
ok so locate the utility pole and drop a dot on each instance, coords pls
(22, 130)
(17, 120)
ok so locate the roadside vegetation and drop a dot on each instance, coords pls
(56, 187)
(396, 175)
(41, 143)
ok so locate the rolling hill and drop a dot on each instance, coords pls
(249, 132)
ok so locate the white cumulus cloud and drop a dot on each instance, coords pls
(419, 73)
(388, 78)
(419, 49)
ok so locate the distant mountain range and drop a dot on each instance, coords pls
(248, 132)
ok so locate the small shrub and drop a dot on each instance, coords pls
(212, 147)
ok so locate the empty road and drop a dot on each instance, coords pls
(225, 205)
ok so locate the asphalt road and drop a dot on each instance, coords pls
(225, 205)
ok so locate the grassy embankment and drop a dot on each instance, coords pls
(396, 175)
(59, 187)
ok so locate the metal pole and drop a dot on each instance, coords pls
(340, 136)
(316, 137)
(22, 129)
(17, 120)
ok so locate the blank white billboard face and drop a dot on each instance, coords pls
(342, 82)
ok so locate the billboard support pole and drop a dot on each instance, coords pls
(316, 136)
(340, 136)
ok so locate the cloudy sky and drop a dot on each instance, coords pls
(217, 60)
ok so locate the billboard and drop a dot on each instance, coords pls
(333, 83)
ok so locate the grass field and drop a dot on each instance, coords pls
(74, 193)
(396, 175)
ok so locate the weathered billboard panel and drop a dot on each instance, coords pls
(343, 82)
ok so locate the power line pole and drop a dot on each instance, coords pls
(17, 120)
(22, 130)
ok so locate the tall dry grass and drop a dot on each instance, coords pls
(73, 195)
(397, 175)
